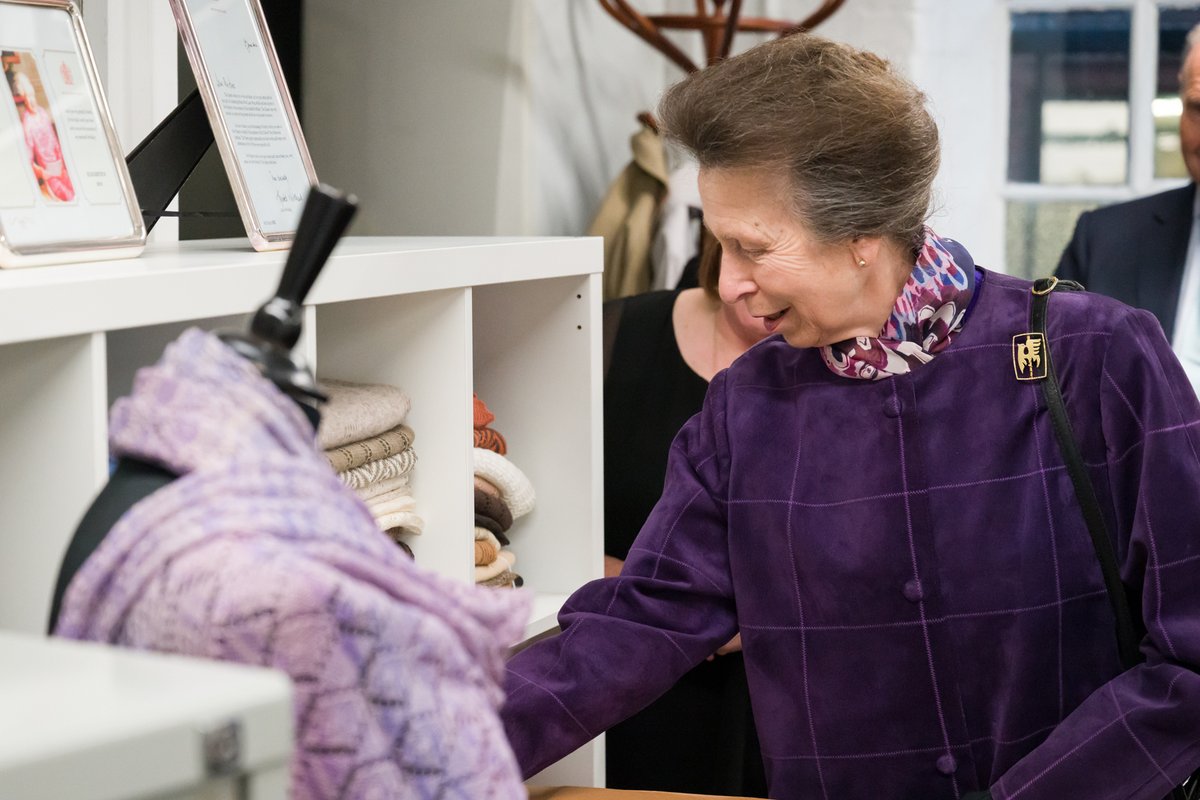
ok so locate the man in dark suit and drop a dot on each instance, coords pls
(1137, 251)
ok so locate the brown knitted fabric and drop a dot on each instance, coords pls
(493, 508)
(489, 439)
(505, 580)
(395, 533)
(485, 553)
(490, 524)
(355, 454)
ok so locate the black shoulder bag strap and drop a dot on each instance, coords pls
(1085, 492)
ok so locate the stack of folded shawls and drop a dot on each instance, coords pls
(502, 495)
(367, 443)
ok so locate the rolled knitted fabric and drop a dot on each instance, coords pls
(355, 454)
(484, 485)
(485, 553)
(373, 471)
(490, 524)
(484, 535)
(505, 580)
(407, 520)
(357, 411)
(493, 507)
(490, 439)
(483, 416)
(514, 487)
(504, 560)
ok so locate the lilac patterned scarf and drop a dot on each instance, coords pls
(257, 554)
(927, 315)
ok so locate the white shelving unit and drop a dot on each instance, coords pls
(516, 320)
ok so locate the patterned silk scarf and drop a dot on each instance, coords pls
(928, 313)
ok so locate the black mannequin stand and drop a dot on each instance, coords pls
(274, 331)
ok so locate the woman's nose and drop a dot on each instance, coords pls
(734, 283)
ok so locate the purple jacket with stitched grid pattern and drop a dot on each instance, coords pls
(921, 609)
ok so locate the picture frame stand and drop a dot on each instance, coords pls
(163, 161)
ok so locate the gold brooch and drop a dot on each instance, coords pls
(1029, 361)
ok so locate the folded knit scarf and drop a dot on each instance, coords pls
(401, 484)
(357, 411)
(355, 454)
(395, 466)
(258, 554)
(926, 316)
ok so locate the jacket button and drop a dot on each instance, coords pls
(892, 407)
(913, 591)
(947, 764)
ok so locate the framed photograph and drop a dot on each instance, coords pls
(65, 194)
(253, 120)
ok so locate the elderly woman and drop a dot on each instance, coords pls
(877, 503)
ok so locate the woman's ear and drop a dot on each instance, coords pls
(865, 250)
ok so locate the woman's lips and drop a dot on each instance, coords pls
(772, 322)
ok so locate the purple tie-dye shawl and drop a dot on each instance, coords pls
(258, 554)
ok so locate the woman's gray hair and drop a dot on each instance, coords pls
(855, 138)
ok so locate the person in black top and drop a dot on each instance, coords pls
(660, 351)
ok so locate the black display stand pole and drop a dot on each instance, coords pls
(162, 162)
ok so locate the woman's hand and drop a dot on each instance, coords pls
(732, 646)
(612, 566)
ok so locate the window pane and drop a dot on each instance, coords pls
(1037, 234)
(1173, 26)
(1069, 90)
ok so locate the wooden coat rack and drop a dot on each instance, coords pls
(715, 24)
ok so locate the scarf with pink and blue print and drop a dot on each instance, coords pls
(928, 313)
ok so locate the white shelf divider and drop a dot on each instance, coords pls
(52, 433)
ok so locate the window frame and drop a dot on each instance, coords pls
(1143, 60)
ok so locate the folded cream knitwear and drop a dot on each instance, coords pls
(392, 502)
(515, 488)
(504, 561)
(484, 535)
(357, 411)
(407, 520)
(399, 485)
(355, 454)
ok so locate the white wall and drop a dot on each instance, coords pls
(960, 61)
(513, 116)
(410, 106)
(134, 44)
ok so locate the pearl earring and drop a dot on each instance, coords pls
(862, 262)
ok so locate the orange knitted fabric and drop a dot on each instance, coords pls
(483, 417)
(485, 437)
(489, 439)
(485, 553)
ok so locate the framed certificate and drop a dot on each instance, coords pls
(253, 120)
(65, 194)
